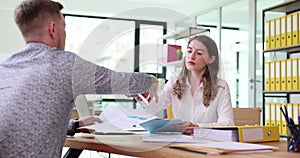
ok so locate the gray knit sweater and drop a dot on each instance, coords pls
(38, 86)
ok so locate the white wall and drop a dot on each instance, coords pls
(11, 39)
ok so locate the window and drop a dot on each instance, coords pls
(114, 43)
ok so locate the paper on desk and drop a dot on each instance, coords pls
(116, 119)
(125, 117)
(171, 137)
(225, 147)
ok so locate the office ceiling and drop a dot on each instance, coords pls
(179, 12)
(158, 10)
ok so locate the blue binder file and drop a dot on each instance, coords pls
(157, 125)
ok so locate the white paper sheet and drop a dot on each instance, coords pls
(116, 119)
(171, 137)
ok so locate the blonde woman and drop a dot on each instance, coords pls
(198, 97)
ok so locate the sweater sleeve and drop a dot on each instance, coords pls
(89, 78)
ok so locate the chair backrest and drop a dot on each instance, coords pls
(246, 116)
(170, 112)
(242, 116)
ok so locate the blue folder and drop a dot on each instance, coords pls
(158, 125)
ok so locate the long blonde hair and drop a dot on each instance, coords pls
(210, 75)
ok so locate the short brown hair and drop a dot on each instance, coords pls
(31, 15)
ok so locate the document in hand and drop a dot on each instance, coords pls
(224, 147)
(116, 119)
(160, 125)
(238, 133)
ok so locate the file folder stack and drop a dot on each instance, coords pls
(274, 117)
(282, 75)
(282, 31)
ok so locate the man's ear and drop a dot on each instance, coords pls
(211, 59)
(52, 29)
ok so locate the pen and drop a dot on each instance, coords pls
(292, 126)
(284, 114)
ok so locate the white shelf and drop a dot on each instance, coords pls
(174, 63)
(185, 33)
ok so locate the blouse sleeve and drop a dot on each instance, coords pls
(224, 109)
(164, 100)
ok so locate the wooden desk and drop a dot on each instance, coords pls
(132, 145)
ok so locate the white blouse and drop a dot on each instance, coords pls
(189, 108)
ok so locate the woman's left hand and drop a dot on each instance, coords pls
(185, 127)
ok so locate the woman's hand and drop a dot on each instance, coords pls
(89, 120)
(185, 127)
(153, 91)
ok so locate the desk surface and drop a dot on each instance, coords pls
(132, 145)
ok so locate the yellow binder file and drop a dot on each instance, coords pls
(289, 85)
(272, 76)
(295, 26)
(283, 74)
(278, 32)
(298, 74)
(267, 34)
(284, 128)
(272, 34)
(290, 109)
(278, 75)
(283, 31)
(273, 114)
(289, 30)
(299, 27)
(278, 117)
(295, 113)
(267, 114)
(258, 133)
(267, 76)
(295, 74)
(239, 133)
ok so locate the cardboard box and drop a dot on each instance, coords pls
(246, 116)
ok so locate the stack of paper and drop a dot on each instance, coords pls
(171, 137)
(216, 134)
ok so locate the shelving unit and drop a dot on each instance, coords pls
(186, 33)
(287, 7)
